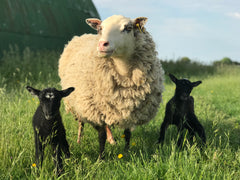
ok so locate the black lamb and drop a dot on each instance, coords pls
(48, 126)
(180, 112)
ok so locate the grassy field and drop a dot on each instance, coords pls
(216, 104)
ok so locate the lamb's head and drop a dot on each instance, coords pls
(117, 35)
(50, 99)
(183, 87)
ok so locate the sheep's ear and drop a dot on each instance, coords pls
(93, 23)
(140, 22)
(33, 91)
(173, 78)
(194, 84)
(67, 91)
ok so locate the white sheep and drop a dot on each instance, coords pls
(117, 76)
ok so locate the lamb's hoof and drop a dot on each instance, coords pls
(59, 172)
(159, 143)
(67, 155)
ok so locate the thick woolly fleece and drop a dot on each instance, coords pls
(102, 95)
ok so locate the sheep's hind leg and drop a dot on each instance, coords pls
(110, 137)
(127, 134)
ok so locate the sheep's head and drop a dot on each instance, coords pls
(117, 35)
(50, 100)
(183, 87)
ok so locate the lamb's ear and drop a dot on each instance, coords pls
(33, 91)
(173, 78)
(67, 91)
(194, 84)
(140, 22)
(93, 23)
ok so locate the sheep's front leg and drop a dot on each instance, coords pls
(127, 134)
(80, 130)
(102, 140)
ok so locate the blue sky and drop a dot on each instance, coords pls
(204, 31)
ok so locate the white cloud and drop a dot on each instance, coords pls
(205, 5)
(234, 15)
(182, 27)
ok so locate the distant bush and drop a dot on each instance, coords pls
(225, 61)
(184, 67)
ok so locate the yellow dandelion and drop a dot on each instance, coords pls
(212, 91)
(133, 144)
(33, 99)
(123, 136)
(29, 101)
(34, 165)
(120, 156)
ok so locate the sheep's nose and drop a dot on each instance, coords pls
(102, 45)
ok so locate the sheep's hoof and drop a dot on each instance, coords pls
(101, 157)
(126, 148)
(111, 141)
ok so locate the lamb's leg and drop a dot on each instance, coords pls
(39, 150)
(191, 134)
(197, 127)
(163, 129)
(80, 130)
(181, 136)
(65, 147)
(167, 120)
(57, 156)
(127, 134)
(110, 137)
(102, 140)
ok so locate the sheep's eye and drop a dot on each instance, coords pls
(127, 28)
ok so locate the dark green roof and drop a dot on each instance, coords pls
(43, 24)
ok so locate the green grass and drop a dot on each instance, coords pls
(216, 105)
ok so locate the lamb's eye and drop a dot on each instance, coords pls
(127, 28)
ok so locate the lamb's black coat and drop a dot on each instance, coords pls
(48, 126)
(180, 112)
